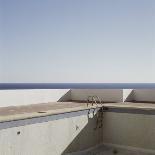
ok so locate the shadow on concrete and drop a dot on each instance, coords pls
(130, 97)
(90, 136)
(66, 97)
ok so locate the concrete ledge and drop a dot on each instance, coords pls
(13, 113)
(40, 110)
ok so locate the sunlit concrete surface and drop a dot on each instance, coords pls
(30, 96)
(38, 110)
(51, 108)
(61, 122)
(36, 96)
(50, 135)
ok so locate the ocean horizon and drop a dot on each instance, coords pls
(8, 86)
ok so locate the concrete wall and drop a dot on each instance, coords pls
(136, 130)
(51, 138)
(110, 95)
(139, 95)
(147, 95)
(128, 95)
(24, 97)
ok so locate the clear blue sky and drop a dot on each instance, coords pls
(77, 40)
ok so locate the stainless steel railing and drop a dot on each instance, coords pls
(94, 100)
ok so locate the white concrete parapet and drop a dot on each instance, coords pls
(109, 95)
(32, 96)
(35, 96)
(146, 95)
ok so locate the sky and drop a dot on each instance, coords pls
(77, 41)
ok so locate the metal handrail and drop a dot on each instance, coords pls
(94, 99)
(89, 101)
(99, 114)
(98, 98)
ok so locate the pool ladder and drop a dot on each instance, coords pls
(99, 115)
(94, 100)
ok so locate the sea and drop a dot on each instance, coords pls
(8, 86)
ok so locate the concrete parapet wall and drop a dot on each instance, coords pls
(35, 96)
(128, 95)
(139, 95)
(147, 95)
(25, 97)
(109, 95)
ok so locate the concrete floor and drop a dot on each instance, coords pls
(108, 150)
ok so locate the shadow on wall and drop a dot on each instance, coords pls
(141, 95)
(89, 136)
(66, 97)
(144, 95)
(130, 97)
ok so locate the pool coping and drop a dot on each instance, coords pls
(122, 107)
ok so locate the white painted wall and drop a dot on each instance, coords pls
(136, 130)
(50, 138)
(147, 95)
(34, 96)
(110, 95)
(25, 97)
(128, 95)
(139, 95)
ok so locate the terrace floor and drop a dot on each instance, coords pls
(45, 109)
